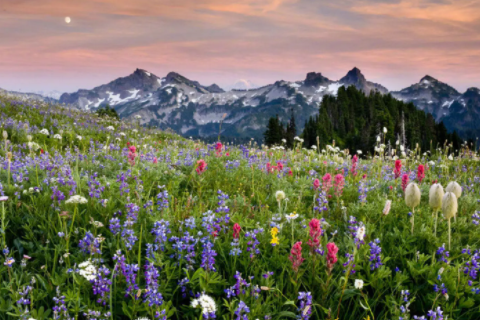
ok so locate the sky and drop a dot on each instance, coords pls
(393, 42)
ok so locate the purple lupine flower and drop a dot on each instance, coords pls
(375, 250)
(238, 288)
(252, 245)
(208, 255)
(115, 226)
(183, 286)
(101, 285)
(305, 308)
(89, 244)
(221, 202)
(161, 229)
(443, 253)
(152, 295)
(162, 200)
(242, 311)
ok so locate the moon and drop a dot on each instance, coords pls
(68, 20)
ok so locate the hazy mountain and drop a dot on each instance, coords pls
(242, 84)
(27, 95)
(193, 109)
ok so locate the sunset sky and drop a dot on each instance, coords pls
(393, 42)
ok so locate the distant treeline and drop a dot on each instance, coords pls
(355, 120)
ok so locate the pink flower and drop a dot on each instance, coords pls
(332, 251)
(155, 160)
(296, 256)
(420, 172)
(398, 168)
(354, 165)
(405, 180)
(327, 182)
(201, 166)
(280, 166)
(236, 230)
(315, 233)
(219, 146)
(316, 184)
(339, 184)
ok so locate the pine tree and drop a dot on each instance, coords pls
(291, 131)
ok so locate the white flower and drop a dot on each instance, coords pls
(79, 137)
(143, 318)
(87, 270)
(402, 148)
(292, 216)
(33, 145)
(280, 195)
(206, 303)
(111, 128)
(360, 232)
(76, 199)
(314, 147)
(384, 130)
(284, 140)
(45, 132)
(134, 130)
(358, 284)
(359, 152)
(57, 136)
(450, 157)
(122, 134)
(378, 138)
(297, 138)
(138, 116)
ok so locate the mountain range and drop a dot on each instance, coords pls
(193, 109)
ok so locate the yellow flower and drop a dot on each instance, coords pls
(274, 241)
(274, 231)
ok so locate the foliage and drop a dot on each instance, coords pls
(109, 220)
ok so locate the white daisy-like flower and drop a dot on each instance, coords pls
(45, 132)
(57, 136)
(111, 128)
(292, 216)
(76, 199)
(79, 137)
(314, 147)
(122, 134)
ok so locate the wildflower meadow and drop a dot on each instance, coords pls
(107, 219)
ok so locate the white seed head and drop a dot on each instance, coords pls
(412, 195)
(454, 187)
(449, 205)
(435, 196)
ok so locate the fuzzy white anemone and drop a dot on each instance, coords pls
(450, 205)
(454, 187)
(412, 195)
(280, 195)
(435, 196)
